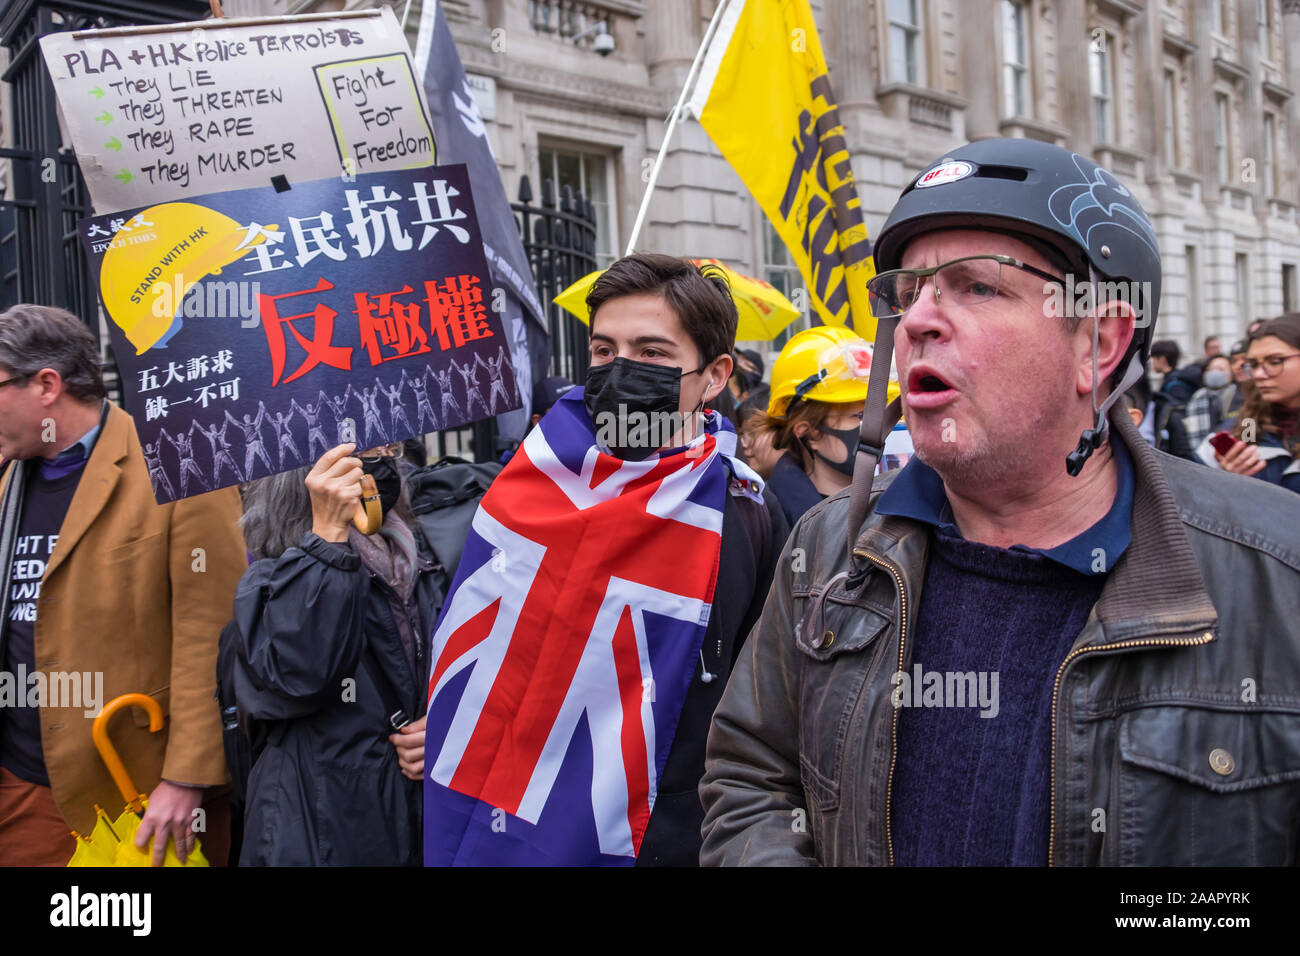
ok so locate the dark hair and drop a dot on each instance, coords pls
(277, 512)
(701, 296)
(1268, 417)
(1208, 340)
(33, 337)
(782, 429)
(1168, 350)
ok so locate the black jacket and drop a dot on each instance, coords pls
(327, 790)
(1176, 716)
(793, 489)
(747, 561)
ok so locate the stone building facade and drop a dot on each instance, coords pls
(1190, 102)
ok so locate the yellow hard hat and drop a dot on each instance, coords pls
(823, 364)
(146, 273)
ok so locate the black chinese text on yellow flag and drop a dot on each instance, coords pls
(764, 97)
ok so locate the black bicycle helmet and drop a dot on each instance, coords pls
(1034, 190)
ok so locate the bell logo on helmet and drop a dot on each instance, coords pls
(948, 172)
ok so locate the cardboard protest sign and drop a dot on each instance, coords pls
(255, 329)
(174, 112)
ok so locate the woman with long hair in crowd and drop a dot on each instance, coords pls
(332, 630)
(1267, 428)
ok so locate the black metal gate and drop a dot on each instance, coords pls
(561, 247)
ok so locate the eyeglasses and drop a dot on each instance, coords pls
(962, 282)
(16, 378)
(1271, 366)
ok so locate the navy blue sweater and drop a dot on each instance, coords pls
(972, 790)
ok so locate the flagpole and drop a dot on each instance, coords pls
(672, 124)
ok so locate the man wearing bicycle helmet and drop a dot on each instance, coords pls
(1040, 642)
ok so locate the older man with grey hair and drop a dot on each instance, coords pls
(105, 593)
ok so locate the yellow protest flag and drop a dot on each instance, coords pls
(764, 97)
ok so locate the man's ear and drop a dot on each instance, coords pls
(1115, 323)
(717, 373)
(1136, 414)
(51, 386)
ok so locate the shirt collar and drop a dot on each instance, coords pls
(76, 454)
(918, 493)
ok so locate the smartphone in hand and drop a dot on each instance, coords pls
(1223, 442)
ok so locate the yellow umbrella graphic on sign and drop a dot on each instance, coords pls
(148, 270)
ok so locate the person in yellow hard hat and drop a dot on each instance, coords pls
(819, 389)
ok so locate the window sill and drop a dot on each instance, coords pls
(1119, 160)
(917, 104)
(1023, 127)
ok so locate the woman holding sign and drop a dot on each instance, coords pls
(330, 635)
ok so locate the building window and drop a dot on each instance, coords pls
(1270, 155)
(1015, 59)
(1243, 286)
(1264, 14)
(1193, 291)
(1171, 120)
(1100, 78)
(1221, 157)
(780, 272)
(906, 46)
(587, 173)
(1290, 293)
(1219, 17)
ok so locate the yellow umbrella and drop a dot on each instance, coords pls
(763, 310)
(113, 844)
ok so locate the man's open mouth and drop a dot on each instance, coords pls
(926, 388)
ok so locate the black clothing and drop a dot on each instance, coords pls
(745, 569)
(793, 488)
(45, 505)
(327, 789)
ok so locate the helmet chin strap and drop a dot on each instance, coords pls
(1091, 438)
(878, 420)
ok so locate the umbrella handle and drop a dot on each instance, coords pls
(99, 733)
(369, 515)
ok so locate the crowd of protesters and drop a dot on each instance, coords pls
(985, 525)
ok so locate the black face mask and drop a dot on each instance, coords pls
(619, 389)
(388, 481)
(849, 438)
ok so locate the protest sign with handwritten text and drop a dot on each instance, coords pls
(166, 113)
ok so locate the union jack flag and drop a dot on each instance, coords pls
(566, 647)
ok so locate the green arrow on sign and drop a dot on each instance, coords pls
(97, 93)
(105, 117)
(124, 176)
(114, 143)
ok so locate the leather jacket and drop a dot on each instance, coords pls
(1176, 714)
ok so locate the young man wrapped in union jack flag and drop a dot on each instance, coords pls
(609, 579)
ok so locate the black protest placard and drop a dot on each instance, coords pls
(254, 329)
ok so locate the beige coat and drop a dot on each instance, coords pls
(138, 591)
